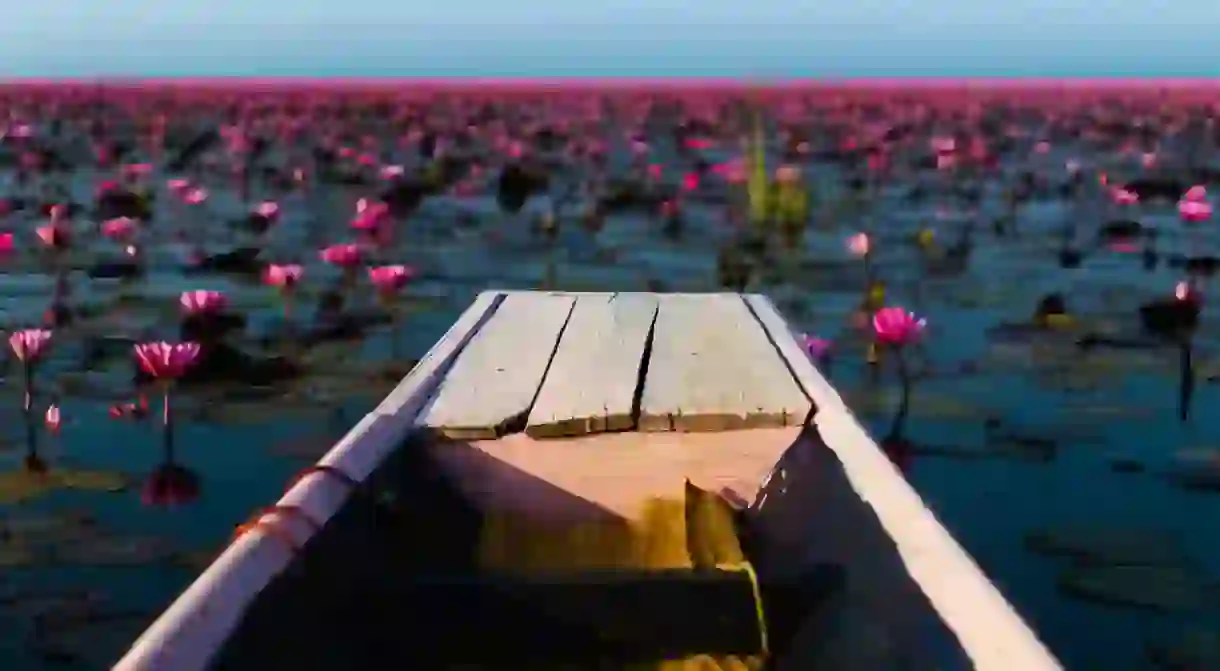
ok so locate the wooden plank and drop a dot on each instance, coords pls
(713, 368)
(591, 385)
(793, 352)
(492, 385)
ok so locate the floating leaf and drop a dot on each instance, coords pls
(1164, 588)
(91, 637)
(1197, 468)
(1194, 649)
(115, 551)
(17, 555)
(40, 528)
(1110, 546)
(19, 486)
(927, 405)
(35, 602)
(195, 560)
(93, 481)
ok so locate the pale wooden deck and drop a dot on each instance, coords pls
(561, 365)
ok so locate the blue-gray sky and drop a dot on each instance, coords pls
(610, 38)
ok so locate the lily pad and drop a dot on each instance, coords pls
(90, 637)
(20, 486)
(92, 481)
(39, 528)
(115, 551)
(931, 406)
(26, 602)
(1162, 588)
(1108, 546)
(1196, 469)
(17, 555)
(1194, 649)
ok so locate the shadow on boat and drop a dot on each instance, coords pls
(397, 577)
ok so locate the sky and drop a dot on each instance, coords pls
(603, 38)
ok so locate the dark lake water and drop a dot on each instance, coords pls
(1060, 469)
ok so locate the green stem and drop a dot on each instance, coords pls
(167, 426)
(904, 403)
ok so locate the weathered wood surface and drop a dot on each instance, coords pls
(494, 382)
(793, 352)
(713, 368)
(591, 384)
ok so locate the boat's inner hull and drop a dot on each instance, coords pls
(611, 552)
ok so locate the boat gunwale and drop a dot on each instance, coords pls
(189, 634)
(192, 630)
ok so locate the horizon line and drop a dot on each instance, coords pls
(612, 82)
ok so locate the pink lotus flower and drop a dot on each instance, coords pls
(342, 255)
(137, 169)
(391, 171)
(1184, 291)
(283, 276)
(53, 418)
(390, 279)
(732, 171)
(120, 228)
(52, 235)
(859, 245)
(1122, 196)
(178, 186)
(372, 208)
(1196, 194)
(788, 174)
(105, 187)
(1148, 160)
(815, 346)
(29, 345)
(370, 215)
(202, 302)
(895, 326)
(1194, 210)
(7, 245)
(943, 145)
(166, 361)
(195, 196)
(268, 210)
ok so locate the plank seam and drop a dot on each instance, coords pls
(813, 405)
(442, 371)
(520, 422)
(637, 396)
